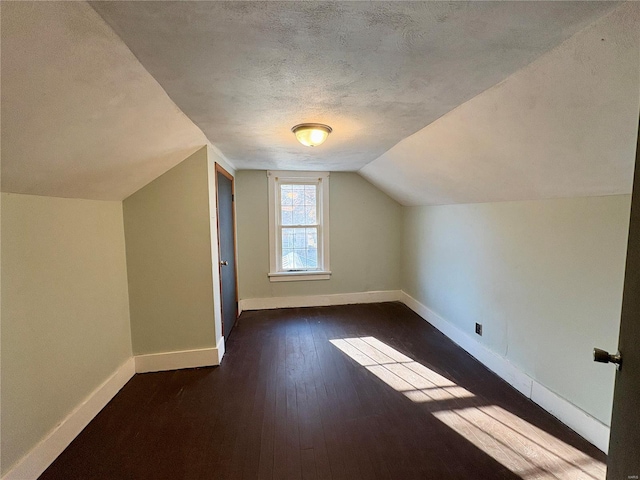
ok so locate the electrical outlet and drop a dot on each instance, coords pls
(479, 329)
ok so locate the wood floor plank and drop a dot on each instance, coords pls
(291, 425)
(267, 435)
(288, 403)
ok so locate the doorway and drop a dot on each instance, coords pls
(624, 461)
(225, 213)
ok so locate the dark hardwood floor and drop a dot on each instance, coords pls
(389, 398)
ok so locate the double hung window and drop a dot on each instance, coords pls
(299, 225)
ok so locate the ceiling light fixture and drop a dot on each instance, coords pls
(311, 134)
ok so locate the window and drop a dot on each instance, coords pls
(299, 226)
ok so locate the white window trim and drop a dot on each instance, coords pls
(275, 272)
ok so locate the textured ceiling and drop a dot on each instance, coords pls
(564, 126)
(377, 72)
(81, 117)
(435, 102)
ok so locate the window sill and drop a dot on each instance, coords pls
(298, 276)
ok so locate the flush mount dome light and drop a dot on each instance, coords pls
(311, 134)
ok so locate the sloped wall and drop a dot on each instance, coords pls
(564, 126)
(65, 311)
(82, 118)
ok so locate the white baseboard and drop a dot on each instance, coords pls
(577, 419)
(159, 362)
(221, 350)
(319, 300)
(494, 362)
(42, 455)
(32, 465)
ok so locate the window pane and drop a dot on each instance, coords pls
(310, 195)
(298, 215)
(299, 238)
(309, 215)
(286, 195)
(310, 204)
(287, 238)
(298, 194)
(298, 204)
(286, 204)
(287, 215)
(299, 248)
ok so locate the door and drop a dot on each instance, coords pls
(624, 444)
(226, 248)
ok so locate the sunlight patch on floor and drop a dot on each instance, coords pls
(401, 373)
(526, 450)
(523, 448)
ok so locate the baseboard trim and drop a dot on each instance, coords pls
(159, 362)
(571, 415)
(32, 465)
(320, 300)
(221, 349)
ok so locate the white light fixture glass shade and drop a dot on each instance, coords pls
(311, 134)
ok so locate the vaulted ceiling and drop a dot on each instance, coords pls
(435, 102)
(564, 126)
(81, 117)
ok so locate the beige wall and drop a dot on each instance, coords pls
(544, 278)
(169, 260)
(65, 314)
(365, 229)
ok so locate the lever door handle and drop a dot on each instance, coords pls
(224, 262)
(603, 356)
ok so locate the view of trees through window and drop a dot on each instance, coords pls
(299, 226)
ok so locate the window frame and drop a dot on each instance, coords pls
(321, 180)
